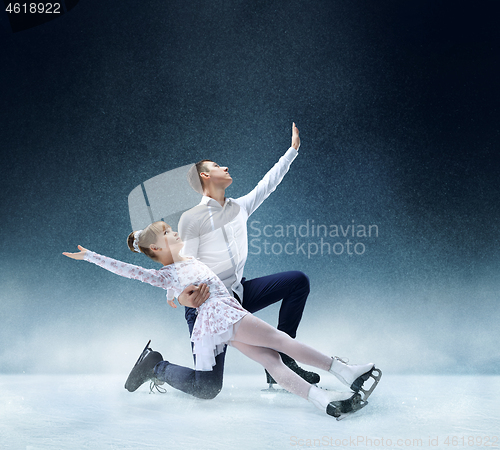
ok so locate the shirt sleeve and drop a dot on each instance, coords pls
(156, 278)
(268, 184)
(189, 230)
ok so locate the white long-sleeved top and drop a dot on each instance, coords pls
(214, 324)
(217, 235)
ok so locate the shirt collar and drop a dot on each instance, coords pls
(210, 201)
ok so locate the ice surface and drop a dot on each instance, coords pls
(96, 412)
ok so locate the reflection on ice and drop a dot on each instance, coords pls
(96, 412)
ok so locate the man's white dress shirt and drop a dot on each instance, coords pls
(217, 235)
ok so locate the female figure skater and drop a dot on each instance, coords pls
(222, 320)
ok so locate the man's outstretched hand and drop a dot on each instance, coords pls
(295, 137)
(192, 296)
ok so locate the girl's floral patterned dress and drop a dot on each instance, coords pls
(216, 317)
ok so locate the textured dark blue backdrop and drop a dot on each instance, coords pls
(398, 108)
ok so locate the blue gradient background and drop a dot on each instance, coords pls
(398, 106)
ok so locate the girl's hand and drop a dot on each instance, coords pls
(172, 303)
(79, 255)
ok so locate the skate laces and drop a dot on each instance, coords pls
(156, 385)
(342, 359)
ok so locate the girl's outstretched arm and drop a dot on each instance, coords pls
(159, 278)
(78, 255)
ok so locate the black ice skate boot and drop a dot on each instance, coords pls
(143, 370)
(310, 377)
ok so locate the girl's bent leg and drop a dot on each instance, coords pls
(271, 360)
(255, 332)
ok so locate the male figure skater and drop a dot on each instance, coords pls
(215, 231)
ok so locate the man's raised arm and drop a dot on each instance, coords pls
(295, 137)
(268, 184)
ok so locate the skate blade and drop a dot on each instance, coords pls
(356, 408)
(342, 408)
(376, 375)
(144, 353)
(273, 390)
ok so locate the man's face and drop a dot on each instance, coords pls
(218, 176)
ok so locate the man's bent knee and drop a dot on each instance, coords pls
(209, 392)
(302, 280)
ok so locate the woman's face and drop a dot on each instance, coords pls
(170, 238)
